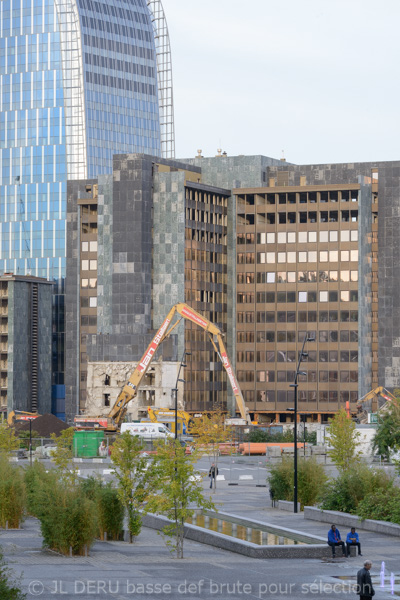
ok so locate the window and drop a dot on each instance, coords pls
(93, 246)
(344, 356)
(281, 257)
(282, 237)
(85, 283)
(344, 296)
(85, 246)
(344, 255)
(312, 296)
(270, 277)
(302, 296)
(281, 277)
(333, 255)
(85, 265)
(333, 236)
(291, 277)
(344, 336)
(333, 316)
(323, 256)
(354, 235)
(323, 236)
(353, 275)
(323, 276)
(333, 336)
(302, 237)
(93, 302)
(302, 256)
(323, 356)
(354, 255)
(93, 265)
(333, 276)
(323, 376)
(291, 237)
(333, 356)
(345, 235)
(333, 296)
(270, 238)
(312, 236)
(291, 257)
(270, 257)
(312, 256)
(344, 276)
(323, 296)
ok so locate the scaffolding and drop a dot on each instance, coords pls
(164, 76)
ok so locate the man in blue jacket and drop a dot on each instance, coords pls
(353, 540)
(334, 540)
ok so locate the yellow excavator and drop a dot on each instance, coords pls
(16, 416)
(117, 413)
(375, 400)
(167, 416)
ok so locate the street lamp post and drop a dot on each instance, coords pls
(295, 386)
(175, 389)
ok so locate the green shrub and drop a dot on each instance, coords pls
(12, 494)
(110, 510)
(311, 480)
(260, 435)
(382, 505)
(346, 492)
(33, 477)
(9, 586)
(67, 518)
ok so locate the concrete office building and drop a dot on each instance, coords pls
(25, 344)
(79, 81)
(303, 249)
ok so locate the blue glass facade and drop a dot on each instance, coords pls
(78, 83)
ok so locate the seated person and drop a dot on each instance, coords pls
(334, 540)
(353, 540)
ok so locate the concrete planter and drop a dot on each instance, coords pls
(332, 516)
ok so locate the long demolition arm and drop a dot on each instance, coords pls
(130, 389)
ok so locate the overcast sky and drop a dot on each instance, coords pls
(316, 79)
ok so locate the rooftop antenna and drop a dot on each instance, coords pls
(283, 159)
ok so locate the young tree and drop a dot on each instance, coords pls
(63, 455)
(135, 479)
(209, 432)
(343, 439)
(180, 491)
(387, 437)
(8, 439)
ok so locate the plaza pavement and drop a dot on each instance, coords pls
(147, 570)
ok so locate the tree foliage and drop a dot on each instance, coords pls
(110, 510)
(63, 455)
(135, 479)
(180, 491)
(311, 479)
(351, 486)
(209, 432)
(387, 437)
(343, 439)
(8, 439)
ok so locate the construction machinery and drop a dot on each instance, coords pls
(16, 416)
(167, 416)
(130, 389)
(376, 400)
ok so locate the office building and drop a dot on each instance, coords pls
(79, 81)
(25, 344)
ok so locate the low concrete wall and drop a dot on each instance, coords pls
(225, 542)
(287, 505)
(332, 516)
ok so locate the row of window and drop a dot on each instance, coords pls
(299, 277)
(286, 398)
(312, 256)
(324, 336)
(301, 197)
(324, 356)
(312, 296)
(311, 316)
(282, 218)
(289, 237)
(89, 265)
(288, 376)
(89, 246)
(89, 283)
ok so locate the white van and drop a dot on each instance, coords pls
(147, 431)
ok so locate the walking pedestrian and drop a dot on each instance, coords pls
(212, 474)
(365, 588)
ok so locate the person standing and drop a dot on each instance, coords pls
(334, 540)
(364, 584)
(212, 474)
(352, 539)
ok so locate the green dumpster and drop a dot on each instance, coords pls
(86, 443)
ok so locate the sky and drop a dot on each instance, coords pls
(314, 81)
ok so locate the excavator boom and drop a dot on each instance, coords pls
(129, 390)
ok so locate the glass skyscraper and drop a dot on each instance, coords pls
(78, 83)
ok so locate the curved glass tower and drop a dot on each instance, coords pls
(78, 83)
